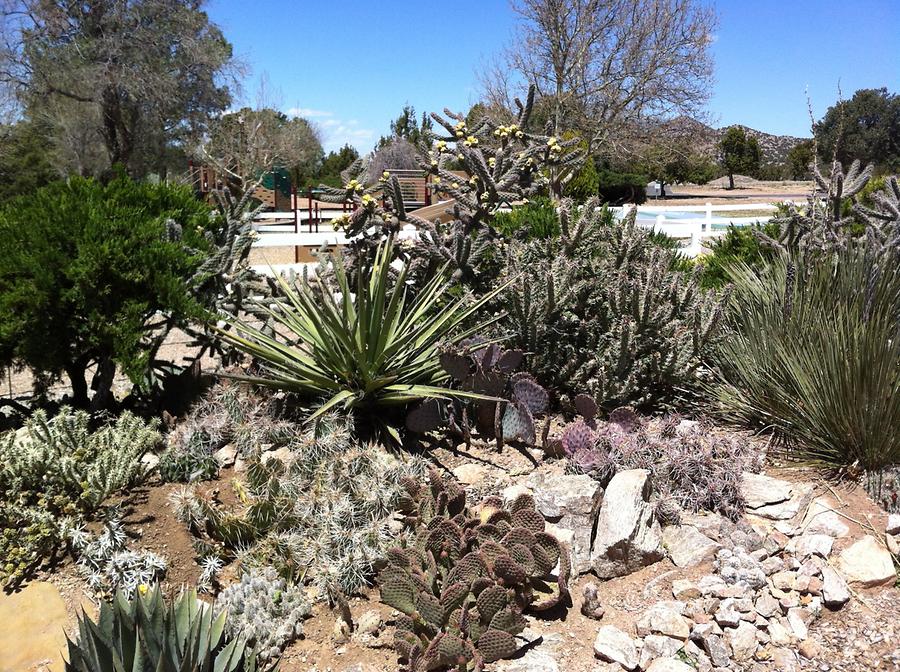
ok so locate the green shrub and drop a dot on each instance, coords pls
(584, 183)
(811, 351)
(367, 347)
(145, 634)
(535, 220)
(85, 267)
(739, 244)
(55, 473)
(618, 188)
(603, 311)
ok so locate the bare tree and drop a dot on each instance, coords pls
(603, 65)
(147, 74)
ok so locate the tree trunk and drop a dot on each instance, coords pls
(102, 385)
(731, 180)
(76, 373)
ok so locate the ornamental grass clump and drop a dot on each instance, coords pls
(368, 346)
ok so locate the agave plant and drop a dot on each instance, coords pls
(371, 345)
(145, 634)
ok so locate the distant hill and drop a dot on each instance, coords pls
(704, 138)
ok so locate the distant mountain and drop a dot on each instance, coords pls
(704, 138)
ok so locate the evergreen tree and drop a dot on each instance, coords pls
(739, 154)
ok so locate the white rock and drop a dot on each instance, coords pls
(570, 502)
(613, 645)
(800, 498)
(685, 589)
(663, 619)
(835, 592)
(766, 605)
(658, 646)
(821, 519)
(761, 490)
(533, 660)
(742, 640)
(669, 665)
(811, 544)
(867, 563)
(795, 619)
(687, 546)
(150, 461)
(893, 524)
(779, 635)
(470, 473)
(226, 455)
(628, 535)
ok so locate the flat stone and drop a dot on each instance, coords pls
(613, 645)
(662, 619)
(658, 646)
(893, 524)
(533, 660)
(760, 490)
(867, 563)
(226, 455)
(742, 640)
(32, 636)
(787, 510)
(685, 589)
(570, 502)
(708, 523)
(628, 535)
(669, 665)
(797, 620)
(821, 519)
(784, 660)
(766, 605)
(835, 592)
(687, 546)
(284, 455)
(470, 473)
(809, 544)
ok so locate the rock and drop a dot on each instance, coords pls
(533, 660)
(658, 646)
(835, 592)
(512, 492)
(766, 605)
(784, 660)
(570, 502)
(669, 665)
(821, 519)
(150, 461)
(33, 635)
(811, 544)
(893, 545)
(867, 563)
(684, 590)
(663, 619)
(796, 618)
(284, 455)
(470, 473)
(591, 606)
(760, 490)
(697, 657)
(226, 455)
(772, 565)
(716, 649)
(785, 580)
(613, 645)
(893, 524)
(369, 623)
(785, 510)
(687, 546)
(778, 633)
(726, 615)
(742, 640)
(710, 524)
(711, 585)
(628, 534)
(808, 649)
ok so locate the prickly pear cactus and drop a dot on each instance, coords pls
(465, 581)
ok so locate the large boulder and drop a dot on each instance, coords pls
(33, 635)
(569, 502)
(628, 535)
(867, 563)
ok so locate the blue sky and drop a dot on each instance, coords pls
(351, 65)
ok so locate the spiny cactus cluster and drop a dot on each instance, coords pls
(107, 563)
(482, 167)
(54, 473)
(694, 468)
(465, 580)
(605, 312)
(228, 413)
(321, 515)
(826, 225)
(486, 370)
(265, 610)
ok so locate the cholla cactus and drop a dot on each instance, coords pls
(603, 310)
(322, 515)
(463, 584)
(265, 610)
(109, 566)
(694, 467)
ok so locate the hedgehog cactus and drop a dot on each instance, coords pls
(465, 581)
(489, 371)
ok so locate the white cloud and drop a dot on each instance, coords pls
(307, 113)
(336, 132)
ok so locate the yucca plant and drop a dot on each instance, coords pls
(146, 634)
(363, 345)
(812, 350)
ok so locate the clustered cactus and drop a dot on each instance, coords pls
(466, 578)
(489, 371)
(109, 566)
(694, 467)
(321, 513)
(228, 413)
(604, 311)
(265, 610)
(55, 473)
